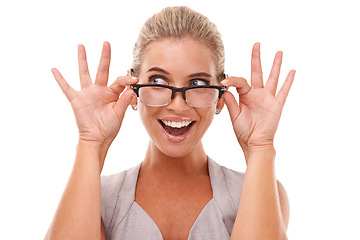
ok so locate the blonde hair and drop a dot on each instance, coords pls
(178, 22)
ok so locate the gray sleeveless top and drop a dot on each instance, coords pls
(124, 219)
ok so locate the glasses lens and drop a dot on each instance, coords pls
(155, 96)
(202, 97)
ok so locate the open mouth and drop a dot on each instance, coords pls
(176, 128)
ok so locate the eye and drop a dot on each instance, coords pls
(199, 82)
(156, 79)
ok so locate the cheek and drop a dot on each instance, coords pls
(144, 114)
(207, 116)
(147, 116)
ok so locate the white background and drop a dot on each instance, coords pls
(317, 141)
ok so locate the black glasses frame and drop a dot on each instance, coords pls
(174, 90)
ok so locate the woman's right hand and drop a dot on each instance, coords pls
(98, 109)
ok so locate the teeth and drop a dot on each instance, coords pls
(176, 124)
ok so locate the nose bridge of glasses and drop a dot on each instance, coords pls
(178, 102)
(180, 91)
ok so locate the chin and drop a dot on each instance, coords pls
(172, 151)
(176, 136)
(176, 146)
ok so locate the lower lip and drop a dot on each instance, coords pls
(173, 138)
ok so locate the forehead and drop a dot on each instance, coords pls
(183, 56)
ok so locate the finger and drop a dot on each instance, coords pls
(285, 89)
(121, 82)
(242, 86)
(123, 102)
(65, 87)
(85, 79)
(232, 105)
(104, 65)
(256, 71)
(272, 82)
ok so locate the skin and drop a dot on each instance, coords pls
(170, 165)
(174, 170)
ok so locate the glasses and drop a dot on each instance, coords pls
(161, 95)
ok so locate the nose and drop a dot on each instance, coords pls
(178, 104)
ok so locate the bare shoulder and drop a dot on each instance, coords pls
(284, 203)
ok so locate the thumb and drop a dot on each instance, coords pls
(123, 102)
(232, 105)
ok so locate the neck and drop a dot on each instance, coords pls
(158, 163)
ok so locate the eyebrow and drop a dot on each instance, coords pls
(200, 74)
(156, 69)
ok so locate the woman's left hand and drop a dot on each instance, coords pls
(256, 116)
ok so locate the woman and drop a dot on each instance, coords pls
(177, 84)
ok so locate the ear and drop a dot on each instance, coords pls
(133, 100)
(220, 103)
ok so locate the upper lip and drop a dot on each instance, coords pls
(176, 119)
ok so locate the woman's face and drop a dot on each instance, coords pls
(177, 128)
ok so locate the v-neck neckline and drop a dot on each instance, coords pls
(220, 211)
(149, 218)
(153, 223)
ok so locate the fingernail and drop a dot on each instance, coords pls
(224, 82)
(134, 78)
